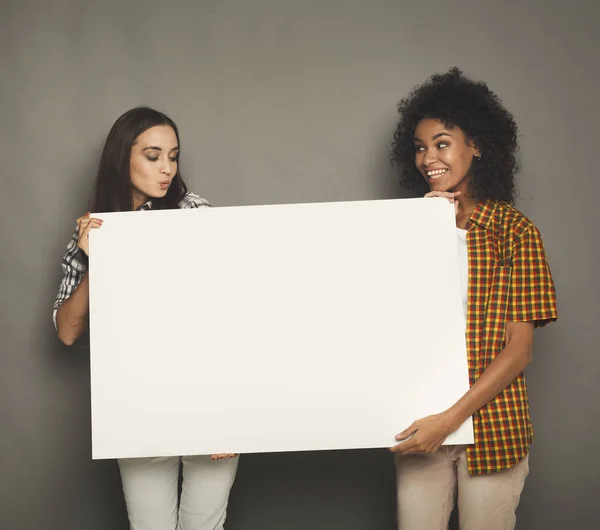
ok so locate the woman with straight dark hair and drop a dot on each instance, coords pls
(139, 170)
(456, 140)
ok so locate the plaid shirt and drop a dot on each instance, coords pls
(74, 263)
(509, 281)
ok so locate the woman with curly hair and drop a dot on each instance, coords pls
(456, 140)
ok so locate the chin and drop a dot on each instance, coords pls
(437, 186)
(158, 195)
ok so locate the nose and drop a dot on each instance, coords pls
(167, 167)
(429, 157)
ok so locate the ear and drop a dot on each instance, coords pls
(476, 150)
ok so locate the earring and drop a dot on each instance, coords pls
(478, 156)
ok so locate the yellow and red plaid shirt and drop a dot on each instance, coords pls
(509, 281)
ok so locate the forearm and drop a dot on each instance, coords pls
(72, 315)
(502, 371)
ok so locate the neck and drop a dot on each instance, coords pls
(466, 203)
(466, 207)
(137, 200)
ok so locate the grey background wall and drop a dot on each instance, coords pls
(282, 101)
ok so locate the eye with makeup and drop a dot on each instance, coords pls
(154, 158)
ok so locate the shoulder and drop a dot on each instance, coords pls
(509, 219)
(73, 256)
(516, 235)
(192, 200)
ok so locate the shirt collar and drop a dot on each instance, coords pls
(484, 213)
(146, 206)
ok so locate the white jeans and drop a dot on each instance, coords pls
(428, 485)
(150, 486)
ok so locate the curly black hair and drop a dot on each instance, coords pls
(458, 101)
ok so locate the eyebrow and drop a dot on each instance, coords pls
(435, 136)
(156, 148)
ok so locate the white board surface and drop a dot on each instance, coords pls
(273, 328)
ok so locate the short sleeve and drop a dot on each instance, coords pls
(532, 291)
(74, 267)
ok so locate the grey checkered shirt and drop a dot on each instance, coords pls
(74, 262)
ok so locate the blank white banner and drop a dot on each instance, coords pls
(273, 328)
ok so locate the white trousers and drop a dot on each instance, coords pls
(151, 485)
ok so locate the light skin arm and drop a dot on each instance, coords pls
(429, 433)
(72, 315)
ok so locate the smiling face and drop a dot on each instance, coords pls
(153, 163)
(443, 156)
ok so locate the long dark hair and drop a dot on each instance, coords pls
(112, 191)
